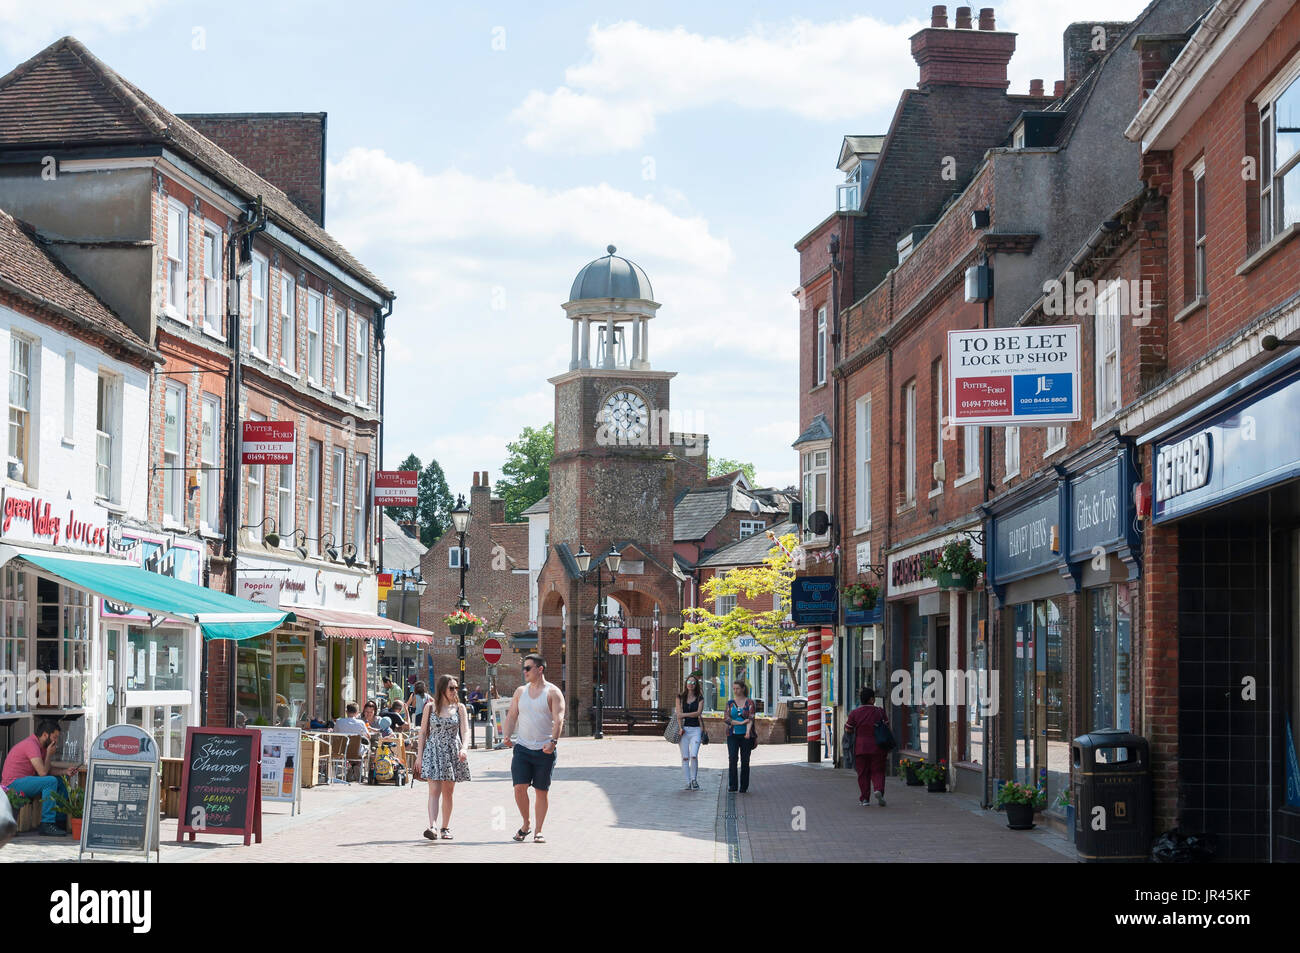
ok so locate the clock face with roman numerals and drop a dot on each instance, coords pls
(625, 415)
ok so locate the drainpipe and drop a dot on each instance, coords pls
(988, 590)
(814, 746)
(381, 316)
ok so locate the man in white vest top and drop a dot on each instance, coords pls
(537, 710)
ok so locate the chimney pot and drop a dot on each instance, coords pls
(1058, 89)
(476, 478)
(986, 19)
(1035, 87)
(939, 16)
(485, 480)
(963, 18)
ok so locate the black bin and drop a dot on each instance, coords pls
(796, 719)
(1112, 796)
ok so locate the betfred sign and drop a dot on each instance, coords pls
(268, 442)
(70, 524)
(396, 487)
(1013, 376)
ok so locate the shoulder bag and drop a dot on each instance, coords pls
(673, 733)
(884, 736)
(752, 740)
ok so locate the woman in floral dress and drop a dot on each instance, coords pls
(444, 759)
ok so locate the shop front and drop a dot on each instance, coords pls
(934, 642)
(1064, 570)
(1225, 487)
(335, 653)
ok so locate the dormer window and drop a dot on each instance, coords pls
(848, 195)
(1018, 137)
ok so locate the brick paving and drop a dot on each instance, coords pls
(621, 800)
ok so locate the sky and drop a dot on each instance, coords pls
(480, 156)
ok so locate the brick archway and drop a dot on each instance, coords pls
(553, 618)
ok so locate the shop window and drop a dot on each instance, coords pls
(290, 679)
(14, 659)
(1110, 678)
(918, 716)
(157, 659)
(62, 649)
(1040, 696)
(976, 662)
(254, 697)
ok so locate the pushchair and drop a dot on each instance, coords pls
(388, 760)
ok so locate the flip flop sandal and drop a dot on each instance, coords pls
(539, 839)
(446, 834)
(521, 835)
(431, 834)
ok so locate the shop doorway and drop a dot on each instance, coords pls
(146, 671)
(1042, 745)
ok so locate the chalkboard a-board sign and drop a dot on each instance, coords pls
(121, 808)
(221, 783)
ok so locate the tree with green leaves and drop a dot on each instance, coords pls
(724, 465)
(406, 514)
(742, 632)
(527, 470)
(436, 504)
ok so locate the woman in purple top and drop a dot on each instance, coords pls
(868, 759)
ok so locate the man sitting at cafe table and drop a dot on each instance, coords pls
(28, 770)
(396, 715)
(352, 725)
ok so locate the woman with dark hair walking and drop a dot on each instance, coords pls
(868, 758)
(740, 729)
(444, 759)
(688, 708)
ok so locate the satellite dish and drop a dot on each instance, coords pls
(819, 522)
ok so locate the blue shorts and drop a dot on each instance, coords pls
(532, 767)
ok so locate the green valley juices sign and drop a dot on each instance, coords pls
(69, 524)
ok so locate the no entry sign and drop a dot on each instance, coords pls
(396, 488)
(1014, 376)
(492, 651)
(268, 442)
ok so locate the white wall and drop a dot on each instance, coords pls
(538, 524)
(63, 465)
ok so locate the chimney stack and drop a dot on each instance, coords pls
(964, 56)
(1058, 89)
(1085, 44)
(1035, 87)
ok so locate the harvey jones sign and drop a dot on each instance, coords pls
(71, 524)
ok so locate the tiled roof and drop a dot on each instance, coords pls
(28, 268)
(65, 96)
(699, 511)
(750, 551)
(541, 506)
(819, 429)
(513, 538)
(400, 550)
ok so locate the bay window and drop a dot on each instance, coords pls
(816, 489)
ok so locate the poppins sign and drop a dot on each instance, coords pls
(1014, 376)
(71, 524)
(264, 590)
(396, 487)
(267, 442)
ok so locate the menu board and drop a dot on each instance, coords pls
(221, 783)
(117, 814)
(281, 772)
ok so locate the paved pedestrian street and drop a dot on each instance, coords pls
(622, 800)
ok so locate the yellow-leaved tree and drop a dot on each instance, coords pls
(742, 632)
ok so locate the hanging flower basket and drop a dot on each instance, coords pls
(950, 580)
(861, 596)
(956, 568)
(462, 623)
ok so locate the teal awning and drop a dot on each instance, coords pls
(221, 616)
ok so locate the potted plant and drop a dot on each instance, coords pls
(1020, 801)
(861, 595)
(907, 771)
(957, 566)
(462, 623)
(934, 776)
(25, 810)
(73, 804)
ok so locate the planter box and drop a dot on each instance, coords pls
(948, 580)
(29, 818)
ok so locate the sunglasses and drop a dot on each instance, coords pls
(528, 668)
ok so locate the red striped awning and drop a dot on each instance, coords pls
(337, 624)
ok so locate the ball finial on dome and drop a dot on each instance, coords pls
(611, 249)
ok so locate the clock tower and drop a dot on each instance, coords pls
(614, 479)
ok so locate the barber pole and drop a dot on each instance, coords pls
(814, 651)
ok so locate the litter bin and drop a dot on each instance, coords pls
(1112, 796)
(796, 719)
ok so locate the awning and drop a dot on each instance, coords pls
(337, 624)
(219, 615)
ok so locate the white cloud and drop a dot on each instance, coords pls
(636, 73)
(481, 266)
(26, 27)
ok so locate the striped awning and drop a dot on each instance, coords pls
(337, 624)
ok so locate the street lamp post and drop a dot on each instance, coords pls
(613, 559)
(460, 520)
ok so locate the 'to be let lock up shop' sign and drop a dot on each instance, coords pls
(1013, 376)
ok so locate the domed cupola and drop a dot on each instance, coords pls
(615, 295)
